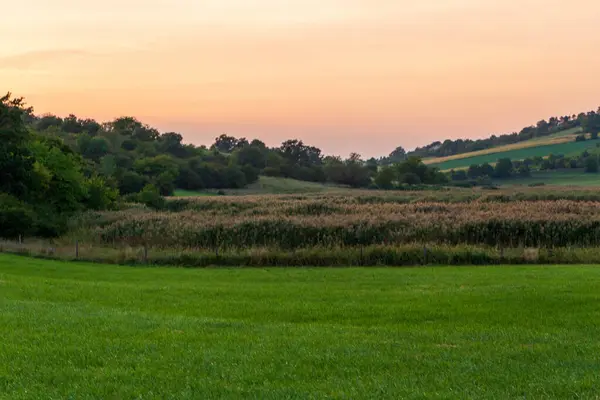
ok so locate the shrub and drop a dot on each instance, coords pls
(100, 196)
(591, 164)
(16, 217)
(151, 197)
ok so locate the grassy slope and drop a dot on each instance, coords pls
(519, 154)
(559, 178)
(267, 185)
(90, 331)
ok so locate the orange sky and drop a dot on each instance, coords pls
(345, 75)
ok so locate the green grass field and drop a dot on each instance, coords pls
(267, 185)
(96, 332)
(190, 193)
(519, 154)
(558, 178)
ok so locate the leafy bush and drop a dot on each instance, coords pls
(16, 217)
(151, 197)
(99, 195)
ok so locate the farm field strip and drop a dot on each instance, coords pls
(566, 148)
(502, 149)
(565, 136)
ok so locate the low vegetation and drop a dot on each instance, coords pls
(562, 177)
(458, 226)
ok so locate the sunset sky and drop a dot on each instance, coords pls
(344, 75)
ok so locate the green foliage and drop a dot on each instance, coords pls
(410, 178)
(96, 148)
(503, 168)
(352, 172)
(43, 180)
(591, 123)
(108, 165)
(161, 171)
(227, 144)
(254, 156)
(99, 195)
(150, 196)
(60, 183)
(385, 178)
(459, 175)
(131, 182)
(234, 177)
(16, 217)
(16, 160)
(591, 164)
(396, 156)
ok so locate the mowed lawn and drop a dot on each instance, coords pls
(103, 332)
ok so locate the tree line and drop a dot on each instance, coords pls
(52, 167)
(130, 155)
(42, 180)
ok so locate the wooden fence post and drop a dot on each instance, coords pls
(77, 248)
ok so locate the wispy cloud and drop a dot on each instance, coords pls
(36, 59)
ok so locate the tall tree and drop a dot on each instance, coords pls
(16, 160)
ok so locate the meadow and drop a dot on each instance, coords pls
(84, 331)
(568, 177)
(266, 185)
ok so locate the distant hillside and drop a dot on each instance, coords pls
(588, 122)
(564, 144)
(565, 136)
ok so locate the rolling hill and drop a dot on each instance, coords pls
(560, 143)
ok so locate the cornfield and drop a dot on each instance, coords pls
(502, 219)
